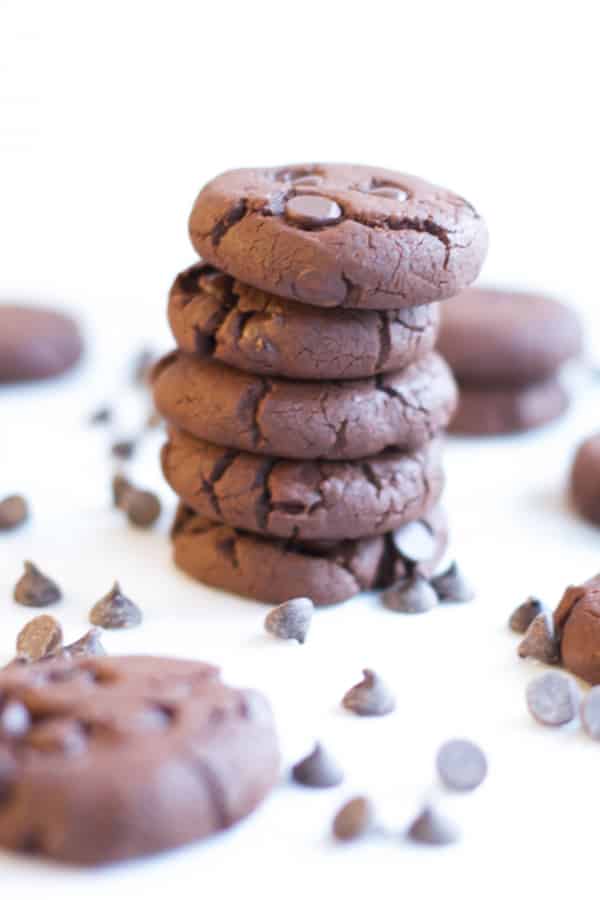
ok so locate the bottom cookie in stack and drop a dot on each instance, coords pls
(272, 570)
(506, 350)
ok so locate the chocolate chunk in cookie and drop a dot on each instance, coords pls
(339, 235)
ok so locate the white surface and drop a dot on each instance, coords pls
(111, 117)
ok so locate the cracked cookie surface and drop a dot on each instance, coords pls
(504, 410)
(308, 499)
(305, 419)
(273, 570)
(107, 759)
(339, 235)
(214, 316)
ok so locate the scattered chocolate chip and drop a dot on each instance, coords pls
(553, 698)
(291, 620)
(412, 594)
(355, 819)
(123, 449)
(461, 765)
(115, 610)
(415, 542)
(370, 697)
(451, 586)
(312, 211)
(35, 589)
(142, 507)
(432, 828)
(590, 713)
(102, 416)
(14, 718)
(541, 641)
(120, 484)
(40, 637)
(142, 366)
(88, 645)
(524, 614)
(13, 512)
(318, 769)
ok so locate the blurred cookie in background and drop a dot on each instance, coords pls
(506, 349)
(36, 343)
(585, 479)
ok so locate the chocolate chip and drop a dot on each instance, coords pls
(115, 610)
(120, 484)
(390, 193)
(541, 641)
(355, 819)
(101, 416)
(412, 594)
(35, 589)
(13, 512)
(318, 769)
(312, 211)
(15, 720)
(142, 507)
(590, 713)
(123, 449)
(40, 637)
(370, 697)
(524, 614)
(461, 765)
(88, 645)
(415, 542)
(552, 698)
(451, 587)
(432, 828)
(291, 620)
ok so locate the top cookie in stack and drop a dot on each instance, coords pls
(305, 398)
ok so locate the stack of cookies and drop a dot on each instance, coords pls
(305, 400)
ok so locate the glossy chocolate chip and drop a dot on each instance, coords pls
(541, 641)
(354, 820)
(143, 508)
(412, 595)
(452, 587)
(291, 620)
(318, 769)
(13, 512)
(415, 542)
(552, 699)
(312, 211)
(88, 645)
(115, 610)
(40, 637)
(461, 765)
(370, 697)
(36, 589)
(390, 193)
(524, 614)
(432, 828)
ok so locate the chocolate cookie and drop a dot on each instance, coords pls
(274, 570)
(36, 343)
(492, 337)
(339, 235)
(486, 411)
(577, 623)
(585, 479)
(212, 315)
(103, 759)
(306, 419)
(307, 500)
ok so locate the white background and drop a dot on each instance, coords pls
(112, 115)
